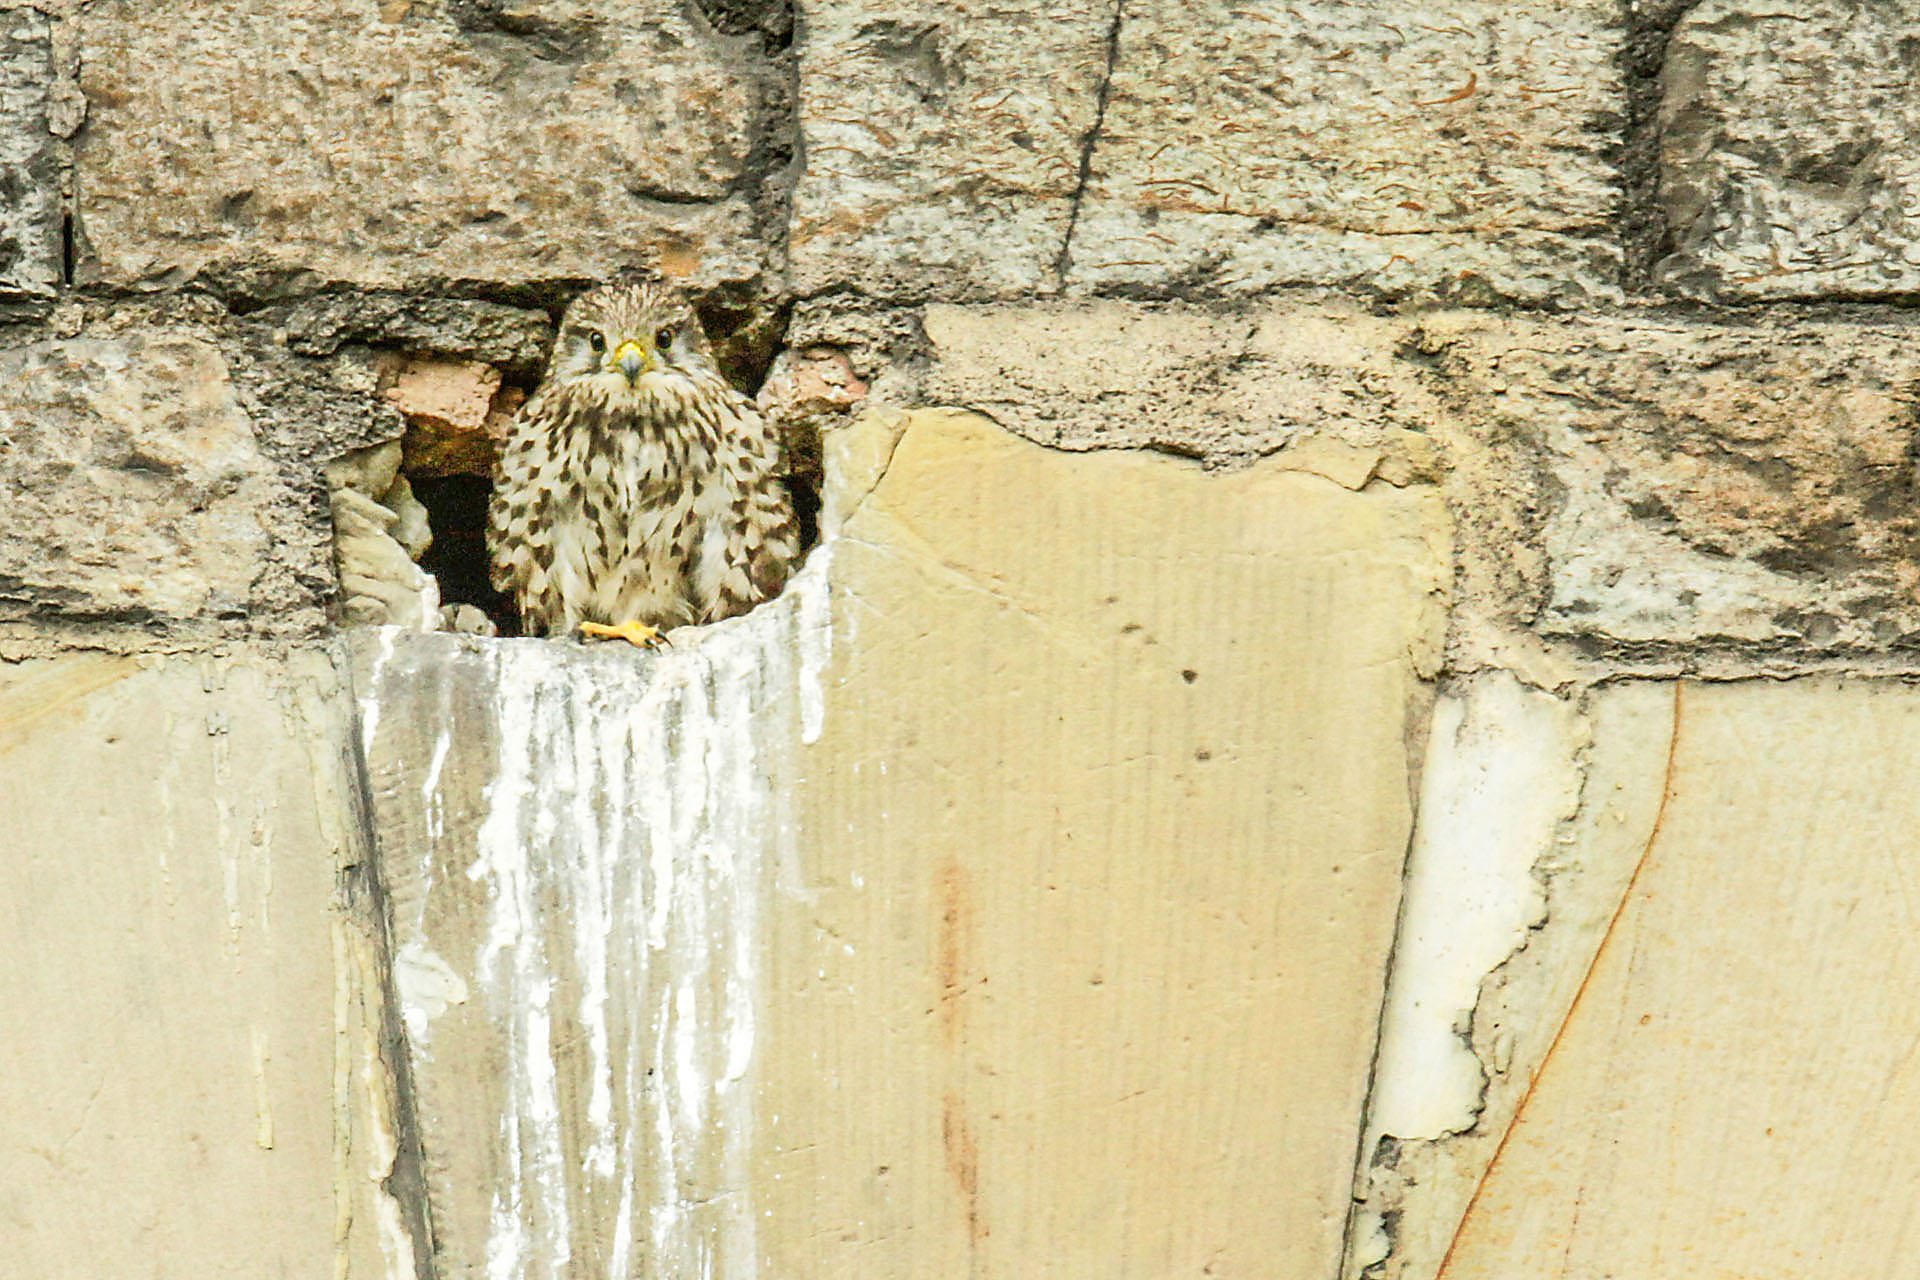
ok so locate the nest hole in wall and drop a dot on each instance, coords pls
(411, 539)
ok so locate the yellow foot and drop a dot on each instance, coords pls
(638, 634)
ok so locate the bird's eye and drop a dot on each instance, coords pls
(598, 341)
(663, 339)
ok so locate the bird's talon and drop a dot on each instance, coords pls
(638, 634)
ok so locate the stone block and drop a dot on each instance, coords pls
(1789, 167)
(187, 1089)
(411, 144)
(1097, 865)
(942, 144)
(1181, 379)
(1463, 150)
(456, 415)
(134, 482)
(30, 197)
(1691, 483)
(1734, 1083)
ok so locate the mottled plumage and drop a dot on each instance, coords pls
(636, 485)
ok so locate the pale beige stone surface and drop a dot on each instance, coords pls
(1786, 141)
(1460, 149)
(1100, 859)
(134, 483)
(1730, 1089)
(406, 144)
(178, 831)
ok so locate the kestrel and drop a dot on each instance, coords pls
(637, 490)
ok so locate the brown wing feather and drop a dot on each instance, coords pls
(519, 524)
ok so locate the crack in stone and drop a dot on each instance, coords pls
(1064, 261)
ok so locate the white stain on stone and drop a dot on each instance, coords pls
(1501, 772)
(634, 822)
(427, 986)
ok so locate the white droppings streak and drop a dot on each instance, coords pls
(814, 625)
(634, 823)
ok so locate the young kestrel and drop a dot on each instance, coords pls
(637, 490)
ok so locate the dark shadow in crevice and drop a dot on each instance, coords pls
(457, 514)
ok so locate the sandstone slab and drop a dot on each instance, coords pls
(1788, 162)
(30, 206)
(1097, 862)
(1752, 988)
(407, 144)
(178, 951)
(1462, 149)
(136, 485)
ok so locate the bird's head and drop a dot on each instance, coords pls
(629, 340)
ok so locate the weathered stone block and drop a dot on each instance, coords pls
(1461, 149)
(1689, 483)
(30, 208)
(942, 144)
(133, 481)
(407, 143)
(1789, 163)
(1226, 388)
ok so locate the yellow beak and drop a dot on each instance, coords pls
(631, 359)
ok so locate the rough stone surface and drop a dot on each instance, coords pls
(134, 482)
(511, 337)
(1789, 166)
(410, 144)
(30, 209)
(181, 833)
(1227, 388)
(942, 144)
(1461, 149)
(1689, 484)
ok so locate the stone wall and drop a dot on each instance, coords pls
(1345, 722)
